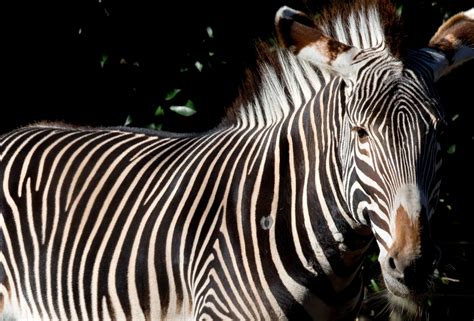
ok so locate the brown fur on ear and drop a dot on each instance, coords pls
(297, 31)
(455, 33)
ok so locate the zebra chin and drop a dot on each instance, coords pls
(407, 293)
(412, 292)
(407, 303)
(406, 308)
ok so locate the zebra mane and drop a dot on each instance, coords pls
(283, 82)
(271, 90)
(364, 24)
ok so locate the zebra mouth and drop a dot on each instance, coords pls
(406, 303)
(395, 287)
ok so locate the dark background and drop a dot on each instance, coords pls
(99, 63)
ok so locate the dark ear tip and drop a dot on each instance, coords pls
(286, 13)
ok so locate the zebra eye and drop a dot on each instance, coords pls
(361, 132)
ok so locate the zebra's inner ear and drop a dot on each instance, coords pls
(298, 33)
(453, 43)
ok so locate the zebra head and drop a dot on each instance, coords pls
(390, 121)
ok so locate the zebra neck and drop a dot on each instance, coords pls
(286, 193)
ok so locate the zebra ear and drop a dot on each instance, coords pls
(453, 43)
(298, 33)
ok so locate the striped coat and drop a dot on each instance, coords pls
(332, 144)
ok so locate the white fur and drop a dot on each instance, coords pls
(469, 13)
(359, 25)
(410, 199)
(343, 64)
(272, 104)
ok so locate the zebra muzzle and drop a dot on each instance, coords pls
(410, 261)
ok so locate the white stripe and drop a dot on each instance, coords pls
(111, 221)
(316, 247)
(79, 231)
(51, 170)
(82, 166)
(35, 253)
(354, 31)
(8, 266)
(27, 160)
(55, 222)
(197, 198)
(192, 169)
(16, 217)
(16, 137)
(195, 259)
(253, 228)
(154, 300)
(223, 263)
(153, 280)
(99, 217)
(105, 310)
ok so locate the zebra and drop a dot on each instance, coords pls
(332, 144)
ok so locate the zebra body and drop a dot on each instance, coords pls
(266, 217)
(112, 213)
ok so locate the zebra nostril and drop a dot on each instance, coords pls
(391, 263)
(395, 267)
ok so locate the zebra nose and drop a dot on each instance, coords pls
(410, 259)
(414, 271)
(398, 265)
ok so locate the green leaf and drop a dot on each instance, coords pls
(183, 110)
(210, 32)
(172, 94)
(155, 126)
(373, 257)
(159, 111)
(452, 149)
(103, 60)
(128, 121)
(198, 65)
(399, 10)
(190, 104)
(429, 302)
(373, 284)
